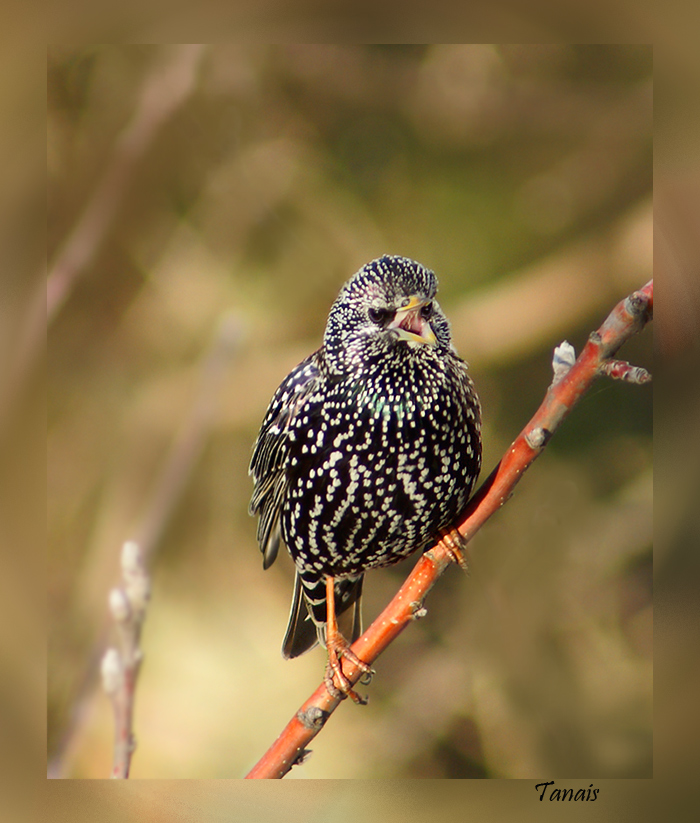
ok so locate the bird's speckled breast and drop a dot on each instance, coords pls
(380, 461)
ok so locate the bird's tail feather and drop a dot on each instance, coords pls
(307, 617)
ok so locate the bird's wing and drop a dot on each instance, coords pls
(271, 452)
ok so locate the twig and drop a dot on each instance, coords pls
(163, 92)
(120, 666)
(177, 468)
(191, 439)
(572, 378)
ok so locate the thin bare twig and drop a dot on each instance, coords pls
(177, 468)
(191, 439)
(120, 666)
(163, 92)
(572, 378)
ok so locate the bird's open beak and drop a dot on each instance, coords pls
(410, 325)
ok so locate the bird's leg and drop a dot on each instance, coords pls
(456, 547)
(337, 646)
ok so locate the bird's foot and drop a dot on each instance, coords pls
(337, 682)
(456, 547)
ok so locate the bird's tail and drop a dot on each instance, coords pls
(307, 618)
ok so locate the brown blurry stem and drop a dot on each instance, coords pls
(189, 442)
(177, 469)
(121, 665)
(162, 94)
(569, 384)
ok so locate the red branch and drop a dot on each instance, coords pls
(568, 386)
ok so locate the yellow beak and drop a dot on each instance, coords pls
(410, 325)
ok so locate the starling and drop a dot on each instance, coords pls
(368, 451)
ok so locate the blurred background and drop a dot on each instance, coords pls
(205, 206)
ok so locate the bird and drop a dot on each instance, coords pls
(368, 452)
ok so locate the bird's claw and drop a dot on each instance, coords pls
(335, 674)
(456, 547)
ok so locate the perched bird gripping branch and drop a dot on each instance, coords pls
(368, 452)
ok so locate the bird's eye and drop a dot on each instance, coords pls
(379, 316)
(427, 311)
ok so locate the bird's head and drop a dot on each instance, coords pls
(388, 306)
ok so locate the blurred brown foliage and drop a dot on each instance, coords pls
(522, 176)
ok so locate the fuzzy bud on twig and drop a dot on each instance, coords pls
(563, 359)
(119, 606)
(120, 668)
(137, 583)
(622, 370)
(112, 672)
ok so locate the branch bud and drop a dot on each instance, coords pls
(137, 583)
(622, 370)
(112, 672)
(119, 606)
(563, 359)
